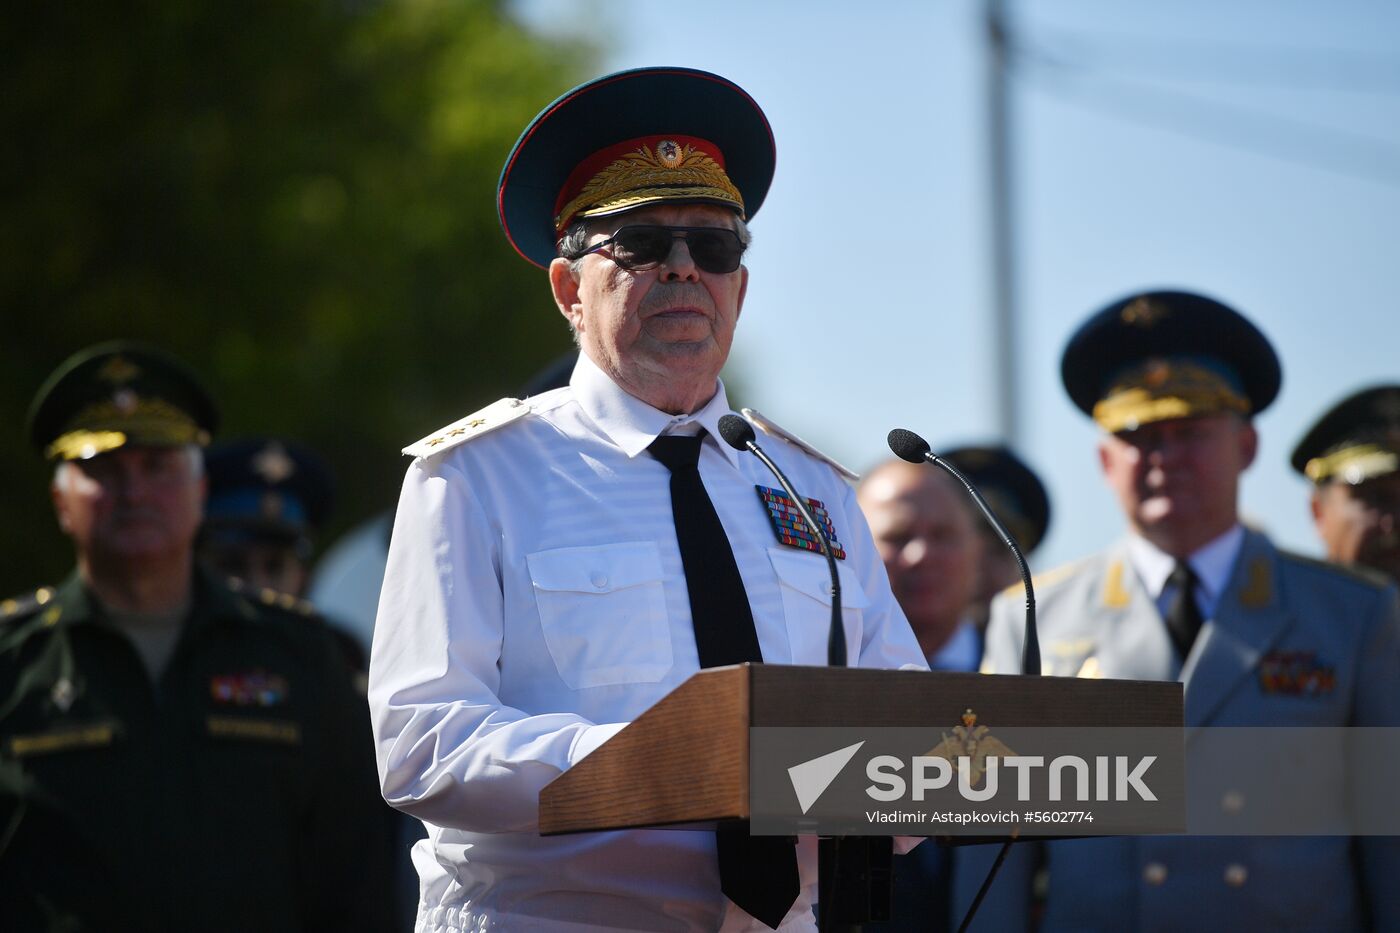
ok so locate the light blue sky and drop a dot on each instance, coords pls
(868, 303)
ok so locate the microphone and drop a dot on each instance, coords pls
(909, 446)
(738, 433)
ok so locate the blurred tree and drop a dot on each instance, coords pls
(295, 196)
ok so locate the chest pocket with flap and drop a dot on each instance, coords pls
(603, 613)
(806, 589)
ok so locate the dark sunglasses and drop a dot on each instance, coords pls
(645, 246)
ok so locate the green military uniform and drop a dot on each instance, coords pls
(234, 790)
(236, 794)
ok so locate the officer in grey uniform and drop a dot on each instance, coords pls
(1259, 637)
(1352, 457)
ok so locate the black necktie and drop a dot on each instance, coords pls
(1183, 615)
(759, 873)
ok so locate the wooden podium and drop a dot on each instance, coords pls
(685, 761)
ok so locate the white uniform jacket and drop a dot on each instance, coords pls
(535, 602)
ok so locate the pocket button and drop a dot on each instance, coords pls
(600, 580)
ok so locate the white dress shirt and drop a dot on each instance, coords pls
(1211, 563)
(534, 602)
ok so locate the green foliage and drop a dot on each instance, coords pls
(296, 197)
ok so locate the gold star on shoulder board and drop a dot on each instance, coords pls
(488, 419)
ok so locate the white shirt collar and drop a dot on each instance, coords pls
(631, 423)
(1212, 564)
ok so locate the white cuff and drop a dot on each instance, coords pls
(591, 738)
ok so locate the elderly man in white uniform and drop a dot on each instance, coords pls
(536, 595)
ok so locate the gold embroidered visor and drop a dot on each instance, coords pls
(1159, 389)
(125, 419)
(1354, 463)
(646, 170)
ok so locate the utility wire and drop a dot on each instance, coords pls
(1293, 68)
(1299, 142)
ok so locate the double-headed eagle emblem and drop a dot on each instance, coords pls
(971, 742)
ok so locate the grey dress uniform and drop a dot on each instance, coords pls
(1097, 619)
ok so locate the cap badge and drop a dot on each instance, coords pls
(273, 464)
(125, 401)
(669, 152)
(118, 370)
(1144, 312)
(1156, 374)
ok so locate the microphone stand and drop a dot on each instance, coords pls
(849, 870)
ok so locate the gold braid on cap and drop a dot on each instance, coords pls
(108, 425)
(642, 176)
(1353, 464)
(1161, 389)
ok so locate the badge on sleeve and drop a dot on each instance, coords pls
(1296, 673)
(791, 528)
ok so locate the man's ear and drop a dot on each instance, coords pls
(1315, 506)
(564, 284)
(60, 511)
(1249, 445)
(743, 290)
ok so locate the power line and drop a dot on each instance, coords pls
(1196, 60)
(1243, 128)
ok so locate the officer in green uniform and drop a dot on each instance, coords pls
(174, 754)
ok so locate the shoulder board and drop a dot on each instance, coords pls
(756, 418)
(270, 597)
(474, 425)
(19, 606)
(1356, 573)
(1047, 579)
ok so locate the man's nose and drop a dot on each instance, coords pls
(679, 265)
(915, 552)
(132, 483)
(1385, 520)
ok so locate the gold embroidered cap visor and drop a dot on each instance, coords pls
(645, 171)
(1354, 464)
(1356, 440)
(633, 138)
(1153, 356)
(1160, 389)
(115, 395)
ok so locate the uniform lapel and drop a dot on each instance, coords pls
(1119, 635)
(1137, 646)
(1249, 618)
